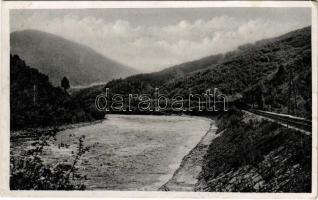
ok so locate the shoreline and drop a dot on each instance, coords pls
(33, 132)
(186, 175)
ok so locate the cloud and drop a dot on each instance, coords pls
(152, 47)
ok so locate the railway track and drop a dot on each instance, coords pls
(297, 122)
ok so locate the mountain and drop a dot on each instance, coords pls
(147, 82)
(34, 102)
(58, 57)
(273, 74)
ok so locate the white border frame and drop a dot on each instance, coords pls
(5, 103)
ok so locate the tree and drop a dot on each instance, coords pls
(65, 83)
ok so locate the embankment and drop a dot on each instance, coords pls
(255, 155)
(186, 176)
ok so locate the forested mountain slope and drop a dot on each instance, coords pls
(274, 74)
(58, 57)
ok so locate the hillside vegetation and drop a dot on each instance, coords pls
(272, 74)
(255, 155)
(35, 102)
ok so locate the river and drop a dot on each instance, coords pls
(131, 152)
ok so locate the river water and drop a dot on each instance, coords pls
(131, 152)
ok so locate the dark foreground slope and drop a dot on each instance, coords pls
(58, 57)
(34, 102)
(254, 155)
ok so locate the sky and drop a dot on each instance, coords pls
(151, 39)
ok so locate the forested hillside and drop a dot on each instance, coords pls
(272, 74)
(35, 102)
(147, 82)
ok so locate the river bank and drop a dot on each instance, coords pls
(36, 132)
(186, 176)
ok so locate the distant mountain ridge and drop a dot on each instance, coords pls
(58, 57)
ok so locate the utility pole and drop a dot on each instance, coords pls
(294, 91)
(292, 105)
(289, 92)
(34, 94)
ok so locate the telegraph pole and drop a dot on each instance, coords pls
(34, 94)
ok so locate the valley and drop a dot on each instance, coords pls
(231, 150)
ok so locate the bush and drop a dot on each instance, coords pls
(30, 172)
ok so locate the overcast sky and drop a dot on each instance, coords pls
(152, 39)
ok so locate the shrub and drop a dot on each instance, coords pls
(30, 172)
